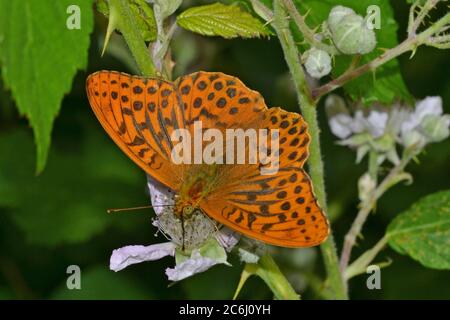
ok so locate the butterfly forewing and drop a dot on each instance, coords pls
(139, 114)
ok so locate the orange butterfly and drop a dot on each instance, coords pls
(140, 114)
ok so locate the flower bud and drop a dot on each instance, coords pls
(248, 256)
(435, 128)
(384, 143)
(366, 185)
(352, 36)
(413, 139)
(318, 63)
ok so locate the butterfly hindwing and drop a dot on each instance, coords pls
(278, 207)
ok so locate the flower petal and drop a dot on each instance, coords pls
(397, 117)
(377, 123)
(340, 125)
(160, 195)
(123, 257)
(193, 265)
(428, 106)
(359, 124)
(227, 238)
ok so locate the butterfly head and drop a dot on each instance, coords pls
(184, 207)
(188, 210)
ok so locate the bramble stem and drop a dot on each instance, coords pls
(307, 33)
(268, 270)
(351, 74)
(360, 265)
(135, 42)
(367, 206)
(423, 12)
(410, 44)
(308, 108)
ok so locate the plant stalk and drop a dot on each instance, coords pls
(308, 34)
(366, 208)
(308, 108)
(129, 29)
(410, 44)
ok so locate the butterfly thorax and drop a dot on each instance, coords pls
(197, 185)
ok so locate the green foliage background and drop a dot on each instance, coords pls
(58, 218)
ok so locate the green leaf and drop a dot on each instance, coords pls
(67, 203)
(39, 56)
(227, 21)
(167, 7)
(423, 231)
(386, 85)
(142, 13)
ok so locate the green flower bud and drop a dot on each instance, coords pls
(366, 186)
(357, 140)
(414, 140)
(352, 36)
(336, 15)
(435, 127)
(248, 256)
(318, 63)
(384, 143)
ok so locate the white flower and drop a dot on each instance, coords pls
(205, 245)
(341, 125)
(123, 257)
(227, 238)
(426, 124)
(379, 131)
(338, 115)
(376, 123)
(397, 116)
(359, 123)
(429, 106)
(195, 264)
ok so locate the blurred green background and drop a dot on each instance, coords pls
(59, 218)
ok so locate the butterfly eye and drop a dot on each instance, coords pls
(187, 210)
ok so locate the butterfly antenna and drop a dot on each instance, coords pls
(137, 208)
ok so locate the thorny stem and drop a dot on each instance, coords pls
(366, 207)
(410, 44)
(307, 33)
(309, 112)
(135, 42)
(416, 22)
(359, 266)
(351, 74)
